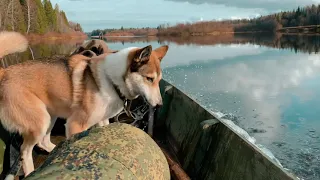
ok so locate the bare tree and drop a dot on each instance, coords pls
(29, 18)
(7, 13)
(30, 14)
(12, 19)
(31, 51)
(0, 19)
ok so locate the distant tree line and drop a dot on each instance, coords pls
(125, 31)
(34, 16)
(198, 28)
(309, 15)
(98, 31)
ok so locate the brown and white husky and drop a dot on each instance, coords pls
(80, 89)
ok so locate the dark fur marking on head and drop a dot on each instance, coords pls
(79, 50)
(88, 53)
(141, 58)
(97, 46)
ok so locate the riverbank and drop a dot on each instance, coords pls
(213, 33)
(125, 36)
(55, 36)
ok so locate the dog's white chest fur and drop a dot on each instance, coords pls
(105, 108)
(110, 72)
(107, 104)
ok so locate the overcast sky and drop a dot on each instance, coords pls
(94, 14)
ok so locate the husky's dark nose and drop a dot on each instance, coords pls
(158, 106)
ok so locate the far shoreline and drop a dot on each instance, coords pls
(204, 34)
(56, 36)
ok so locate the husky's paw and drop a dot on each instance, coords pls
(46, 146)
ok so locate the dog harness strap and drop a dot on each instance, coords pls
(121, 96)
(126, 102)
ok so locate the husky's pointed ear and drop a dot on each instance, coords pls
(161, 51)
(143, 54)
(140, 57)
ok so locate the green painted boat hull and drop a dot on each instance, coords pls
(206, 147)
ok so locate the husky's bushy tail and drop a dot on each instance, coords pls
(12, 42)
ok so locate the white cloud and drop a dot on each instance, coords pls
(93, 14)
(268, 5)
(114, 14)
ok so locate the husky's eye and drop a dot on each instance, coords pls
(150, 79)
